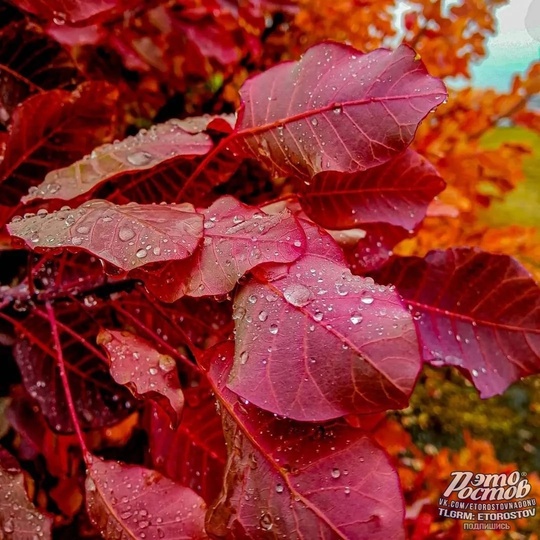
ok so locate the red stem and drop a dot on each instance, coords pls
(65, 381)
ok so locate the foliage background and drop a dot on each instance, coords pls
(486, 145)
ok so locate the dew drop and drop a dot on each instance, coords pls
(297, 295)
(266, 522)
(263, 315)
(9, 526)
(314, 122)
(252, 299)
(367, 300)
(125, 234)
(166, 363)
(76, 240)
(152, 371)
(279, 488)
(141, 254)
(318, 316)
(336, 473)
(274, 329)
(356, 318)
(140, 158)
(244, 356)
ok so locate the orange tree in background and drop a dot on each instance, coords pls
(98, 71)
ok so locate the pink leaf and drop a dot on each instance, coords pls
(474, 310)
(74, 11)
(336, 109)
(128, 502)
(287, 479)
(50, 130)
(137, 365)
(19, 519)
(138, 158)
(237, 238)
(397, 192)
(194, 453)
(127, 236)
(317, 343)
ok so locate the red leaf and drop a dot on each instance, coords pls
(137, 365)
(136, 158)
(19, 519)
(334, 344)
(375, 248)
(202, 322)
(474, 310)
(296, 480)
(336, 109)
(397, 192)
(30, 63)
(237, 238)
(127, 236)
(194, 453)
(127, 502)
(50, 130)
(99, 400)
(74, 11)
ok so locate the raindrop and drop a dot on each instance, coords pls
(266, 522)
(318, 316)
(166, 363)
(9, 526)
(279, 488)
(244, 356)
(336, 473)
(152, 371)
(140, 158)
(252, 299)
(367, 300)
(347, 490)
(141, 254)
(314, 122)
(356, 318)
(338, 109)
(474, 373)
(89, 484)
(297, 295)
(83, 229)
(125, 234)
(76, 240)
(263, 315)
(274, 329)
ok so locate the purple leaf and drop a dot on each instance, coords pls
(336, 109)
(127, 236)
(129, 502)
(287, 479)
(237, 238)
(474, 310)
(397, 192)
(145, 371)
(136, 158)
(314, 342)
